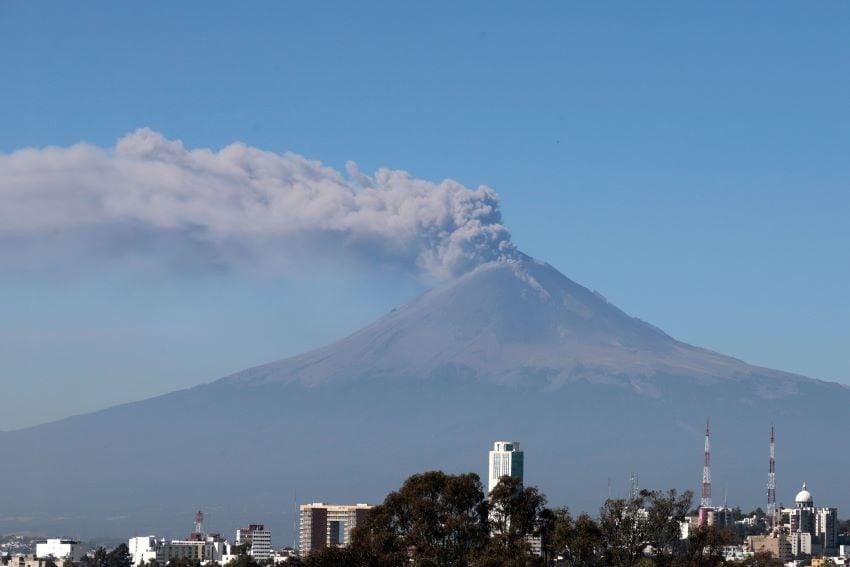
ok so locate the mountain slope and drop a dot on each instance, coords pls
(507, 322)
(511, 350)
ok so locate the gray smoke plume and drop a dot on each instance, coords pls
(238, 207)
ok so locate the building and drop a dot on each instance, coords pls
(801, 544)
(826, 526)
(59, 549)
(505, 459)
(31, 560)
(776, 544)
(258, 537)
(326, 525)
(201, 548)
(821, 524)
(284, 555)
(142, 549)
(183, 549)
(715, 517)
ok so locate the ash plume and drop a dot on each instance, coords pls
(150, 198)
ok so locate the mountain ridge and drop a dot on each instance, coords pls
(587, 335)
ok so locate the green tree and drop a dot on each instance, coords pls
(622, 523)
(516, 513)
(119, 557)
(704, 548)
(433, 519)
(184, 562)
(662, 523)
(574, 543)
(761, 559)
(96, 559)
(243, 560)
(338, 557)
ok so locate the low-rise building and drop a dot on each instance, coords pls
(142, 549)
(59, 549)
(202, 549)
(28, 560)
(776, 544)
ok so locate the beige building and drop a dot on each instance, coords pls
(776, 544)
(328, 525)
(31, 560)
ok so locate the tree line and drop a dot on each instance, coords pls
(441, 520)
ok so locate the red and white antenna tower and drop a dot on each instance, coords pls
(771, 480)
(705, 501)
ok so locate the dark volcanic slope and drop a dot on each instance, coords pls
(507, 322)
(512, 350)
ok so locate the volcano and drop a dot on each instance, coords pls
(512, 323)
(511, 350)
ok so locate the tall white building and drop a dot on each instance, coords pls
(506, 459)
(59, 549)
(258, 537)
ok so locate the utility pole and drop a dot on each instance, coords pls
(771, 481)
(705, 501)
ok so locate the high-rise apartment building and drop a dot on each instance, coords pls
(506, 459)
(820, 523)
(258, 537)
(326, 525)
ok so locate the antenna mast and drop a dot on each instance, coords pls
(771, 480)
(705, 501)
(199, 523)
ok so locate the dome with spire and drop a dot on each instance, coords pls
(804, 498)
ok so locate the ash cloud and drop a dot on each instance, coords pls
(151, 199)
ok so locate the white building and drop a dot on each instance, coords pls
(505, 459)
(258, 537)
(143, 549)
(801, 543)
(820, 523)
(203, 549)
(59, 549)
(826, 526)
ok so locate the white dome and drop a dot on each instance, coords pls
(804, 496)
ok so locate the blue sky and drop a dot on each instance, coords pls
(687, 161)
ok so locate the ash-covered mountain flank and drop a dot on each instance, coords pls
(508, 322)
(511, 350)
